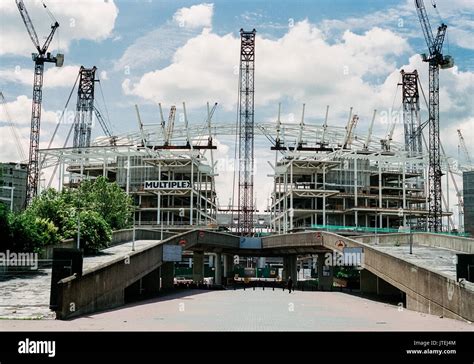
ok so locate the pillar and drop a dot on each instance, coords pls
(228, 266)
(290, 268)
(286, 268)
(293, 268)
(324, 282)
(211, 260)
(218, 269)
(198, 266)
(167, 275)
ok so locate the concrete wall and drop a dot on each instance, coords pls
(465, 245)
(103, 286)
(126, 235)
(48, 250)
(291, 240)
(461, 244)
(426, 291)
(385, 239)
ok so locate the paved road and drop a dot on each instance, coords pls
(251, 311)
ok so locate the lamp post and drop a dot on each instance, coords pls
(411, 241)
(133, 240)
(11, 198)
(376, 216)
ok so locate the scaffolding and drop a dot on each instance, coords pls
(317, 182)
(322, 181)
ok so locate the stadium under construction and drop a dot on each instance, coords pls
(325, 175)
(338, 180)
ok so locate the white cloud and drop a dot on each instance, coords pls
(155, 46)
(300, 66)
(196, 16)
(103, 75)
(53, 76)
(462, 38)
(20, 113)
(78, 19)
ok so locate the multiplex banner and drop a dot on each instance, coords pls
(167, 185)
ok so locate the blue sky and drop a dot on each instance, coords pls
(338, 52)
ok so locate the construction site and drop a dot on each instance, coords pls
(210, 199)
(326, 175)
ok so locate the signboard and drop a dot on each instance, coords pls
(172, 253)
(340, 244)
(250, 243)
(319, 237)
(166, 185)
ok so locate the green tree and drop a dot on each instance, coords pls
(30, 233)
(109, 200)
(95, 233)
(53, 216)
(54, 206)
(4, 226)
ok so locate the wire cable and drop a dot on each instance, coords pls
(61, 117)
(105, 106)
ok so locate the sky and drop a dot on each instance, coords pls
(341, 53)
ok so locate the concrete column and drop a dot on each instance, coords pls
(286, 268)
(211, 260)
(228, 266)
(218, 269)
(167, 275)
(325, 282)
(368, 282)
(198, 266)
(290, 268)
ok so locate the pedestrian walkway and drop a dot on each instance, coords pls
(249, 310)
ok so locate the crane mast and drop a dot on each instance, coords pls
(462, 144)
(84, 107)
(435, 59)
(40, 58)
(246, 132)
(411, 112)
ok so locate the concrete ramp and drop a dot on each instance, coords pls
(430, 288)
(106, 285)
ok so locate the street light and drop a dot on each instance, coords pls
(78, 243)
(376, 216)
(133, 240)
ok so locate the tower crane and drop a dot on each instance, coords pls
(436, 60)
(462, 144)
(40, 58)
